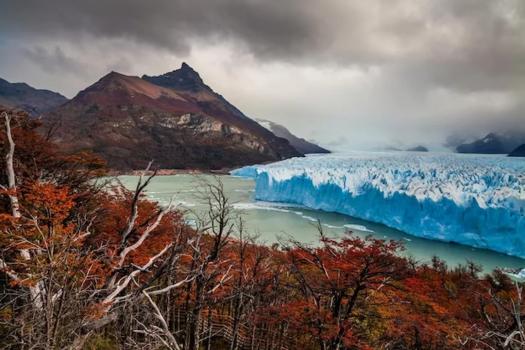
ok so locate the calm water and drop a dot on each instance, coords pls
(276, 222)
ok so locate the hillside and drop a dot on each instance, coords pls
(518, 152)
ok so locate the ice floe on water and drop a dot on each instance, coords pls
(357, 227)
(260, 206)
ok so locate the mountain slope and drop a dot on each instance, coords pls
(418, 148)
(34, 101)
(518, 152)
(299, 144)
(130, 121)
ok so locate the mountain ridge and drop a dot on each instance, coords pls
(24, 96)
(493, 143)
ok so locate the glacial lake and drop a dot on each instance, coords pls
(276, 222)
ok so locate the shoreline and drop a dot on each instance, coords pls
(168, 172)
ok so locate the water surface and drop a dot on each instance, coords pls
(275, 222)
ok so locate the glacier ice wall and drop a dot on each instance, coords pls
(469, 199)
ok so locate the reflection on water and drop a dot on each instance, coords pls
(277, 222)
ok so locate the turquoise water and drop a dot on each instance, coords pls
(273, 222)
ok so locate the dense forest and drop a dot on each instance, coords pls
(87, 264)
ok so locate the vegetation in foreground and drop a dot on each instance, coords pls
(84, 267)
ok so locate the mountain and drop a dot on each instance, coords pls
(33, 101)
(418, 149)
(188, 83)
(518, 152)
(389, 149)
(174, 119)
(493, 143)
(299, 144)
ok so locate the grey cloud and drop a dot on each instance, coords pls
(52, 61)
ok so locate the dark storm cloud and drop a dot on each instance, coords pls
(170, 24)
(483, 39)
(371, 62)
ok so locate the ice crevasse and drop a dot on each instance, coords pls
(468, 199)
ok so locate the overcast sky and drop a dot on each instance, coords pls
(350, 74)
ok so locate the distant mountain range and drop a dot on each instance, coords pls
(493, 143)
(25, 97)
(418, 149)
(174, 119)
(298, 143)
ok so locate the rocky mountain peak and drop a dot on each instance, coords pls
(185, 78)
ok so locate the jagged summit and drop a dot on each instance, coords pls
(186, 67)
(185, 78)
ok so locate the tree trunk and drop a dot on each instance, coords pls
(192, 329)
(10, 170)
(209, 328)
(236, 322)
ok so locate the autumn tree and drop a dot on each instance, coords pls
(502, 310)
(338, 283)
(70, 262)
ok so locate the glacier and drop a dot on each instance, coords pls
(476, 200)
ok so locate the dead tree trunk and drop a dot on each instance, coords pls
(36, 290)
(10, 170)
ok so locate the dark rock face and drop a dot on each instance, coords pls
(33, 101)
(491, 144)
(184, 78)
(299, 144)
(179, 123)
(418, 149)
(518, 152)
